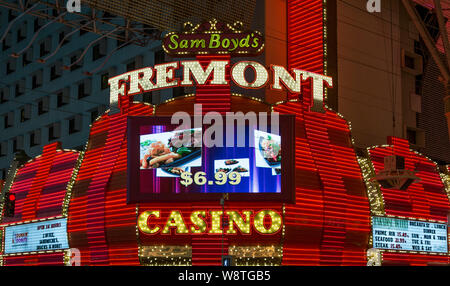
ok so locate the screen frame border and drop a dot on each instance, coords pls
(287, 195)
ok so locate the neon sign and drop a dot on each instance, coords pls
(163, 76)
(216, 38)
(264, 222)
(213, 38)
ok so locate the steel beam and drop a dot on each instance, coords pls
(443, 29)
(431, 45)
(138, 35)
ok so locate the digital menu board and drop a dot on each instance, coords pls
(248, 161)
(38, 236)
(401, 234)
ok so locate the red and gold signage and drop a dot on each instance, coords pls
(246, 222)
(213, 38)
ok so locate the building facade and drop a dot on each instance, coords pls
(336, 208)
(57, 100)
(397, 91)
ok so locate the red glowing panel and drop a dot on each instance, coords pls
(426, 199)
(40, 185)
(100, 223)
(305, 40)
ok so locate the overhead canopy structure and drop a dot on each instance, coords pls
(445, 5)
(128, 21)
(90, 20)
(131, 20)
(170, 14)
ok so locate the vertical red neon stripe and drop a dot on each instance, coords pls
(329, 224)
(305, 40)
(207, 250)
(98, 210)
(214, 98)
(32, 199)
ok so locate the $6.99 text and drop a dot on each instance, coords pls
(233, 178)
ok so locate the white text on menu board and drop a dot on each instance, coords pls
(399, 234)
(48, 241)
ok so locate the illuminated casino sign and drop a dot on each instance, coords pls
(210, 222)
(193, 73)
(213, 38)
(216, 38)
(401, 234)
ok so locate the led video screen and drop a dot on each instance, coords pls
(247, 160)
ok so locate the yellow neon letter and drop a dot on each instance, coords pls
(143, 222)
(259, 222)
(175, 220)
(235, 217)
(216, 222)
(199, 224)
